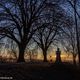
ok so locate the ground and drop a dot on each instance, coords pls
(39, 71)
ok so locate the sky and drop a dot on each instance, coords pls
(69, 11)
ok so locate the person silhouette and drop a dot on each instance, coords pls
(50, 58)
(58, 57)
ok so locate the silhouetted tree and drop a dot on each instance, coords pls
(17, 21)
(12, 47)
(45, 36)
(69, 41)
(74, 6)
(32, 53)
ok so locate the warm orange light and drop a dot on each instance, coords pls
(50, 56)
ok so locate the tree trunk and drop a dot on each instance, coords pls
(45, 56)
(77, 32)
(79, 57)
(21, 54)
(74, 59)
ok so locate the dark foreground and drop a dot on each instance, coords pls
(39, 71)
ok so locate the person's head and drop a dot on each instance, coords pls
(58, 49)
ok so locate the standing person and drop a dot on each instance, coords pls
(58, 57)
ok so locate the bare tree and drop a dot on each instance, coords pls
(17, 21)
(74, 6)
(13, 48)
(69, 41)
(45, 36)
(31, 51)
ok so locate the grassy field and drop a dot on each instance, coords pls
(39, 71)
